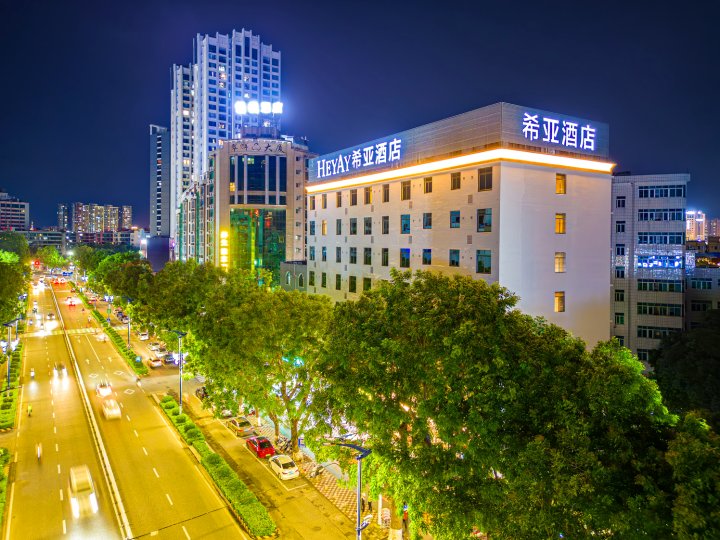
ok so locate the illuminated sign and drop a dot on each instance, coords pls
(555, 131)
(258, 107)
(361, 158)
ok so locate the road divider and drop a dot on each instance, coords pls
(8, 406)
(4, 460)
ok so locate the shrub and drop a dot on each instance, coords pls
(193, 434)
(180, 418)
(257, 518)
(175, 411)
(202, 448)
(166, 399)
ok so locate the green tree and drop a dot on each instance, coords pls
(16, 243)
(687, 369)
(479, 415)
(107, 267)
(13, 283)
(50, 257)
(9, 257)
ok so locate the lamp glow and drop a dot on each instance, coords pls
(253, 107)
(265, 107)
(277, 107)
(240, 107)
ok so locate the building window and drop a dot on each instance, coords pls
(338, 227)
(454, 219)
(454, 258)
(353, 197)
(367, 284)
(455, 180)
(324, 227)
(352, 284)
(700, 305)
(312, 202)
(662, 310)
(654, 332)
(338, 199)
(353, 225)
(338, 254)
(427, 183)
(323, 253)
(620, 249)
(367, 256)
(386, 224)
(621, 340)
(386, 193)
(560, 262)
(323, 280)
(619, 318)
(353, 255)
(367, 223)
(324, 200)
(620, 272)
(559, 223)
(405, 224)
(485, 179)
(385, 259)
(427, 256)
(427, 220)
(560, 184)
(405, 190)
(559, 301)
(312, 228)
(312, 253)
(619, 226)
(368, 195)
(483, 262)
(484, 220)
(619, 295)
(704, 284)
(338, 282)
(405, 258)
(311, 278)
(620, 202)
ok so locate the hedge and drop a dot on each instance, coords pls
(252, 513)
(4, 459)
(8, 407)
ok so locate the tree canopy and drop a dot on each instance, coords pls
(16, 243)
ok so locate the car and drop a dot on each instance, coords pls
(169, 360)
(260, 446)
(201, 393)
(81, 491)
(154, 363)
(35, 304)
(160, 352)
(284, 467)
(144, 336)
(155, 345)
(125, 319)
(241, 427)
(111, 409)
(59, 369)
(50, 316)
(103, 389)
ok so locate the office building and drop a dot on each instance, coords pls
(126, 218)
(159, 181)
(648, 266)
(696, 225)
(248, 210)
(504, 193)
(231, 90)
(14, 213)
(63, 217)
(713, 227)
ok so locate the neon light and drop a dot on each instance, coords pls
(477, 158)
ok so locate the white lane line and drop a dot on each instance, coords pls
(61, 495)
(55, 429)
(57, 447)
(53, 414)
(128, 417)
(186, 533)
(58, 468)
(52, 402)
(144, 451)
(169, 499)
(156, 473)
(64, 527)
(136, 433)
(10, 503)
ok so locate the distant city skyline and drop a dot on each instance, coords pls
(641, 70)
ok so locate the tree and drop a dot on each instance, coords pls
(9, 257)
(88, 258)
(12, 285)
(108, 266)
(16, 243)
(50, 257)
(687, 369)
(478, 415)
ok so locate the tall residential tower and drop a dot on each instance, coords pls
(159, 181)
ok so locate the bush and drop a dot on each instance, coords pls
(212, 461)
(180, 418)
(193, 434)
(175, 411)
(202, 448)
(257, 518)
(166, 399)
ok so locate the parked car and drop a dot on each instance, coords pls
(50, 316)
(201, 393)
(103, 389)
(81, 491)
(284, 467)
(125, 319)
(169, 360)
(154, 363)
(155, 345)
(144, 336)
(59, 369)
(111, 409)
(241, 427)
(260, 446)
(160, 352)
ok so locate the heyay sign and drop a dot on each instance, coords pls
(355, 160)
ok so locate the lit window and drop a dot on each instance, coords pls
(560, 184)
(559, 262)
(324, 227)
(559, 301)
(338, 199)
(312, 202)
(559, 223)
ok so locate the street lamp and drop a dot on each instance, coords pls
(180, 335)
(362, 454)
(9, 348)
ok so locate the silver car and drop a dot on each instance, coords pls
(241, 427)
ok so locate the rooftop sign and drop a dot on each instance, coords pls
(359, 159)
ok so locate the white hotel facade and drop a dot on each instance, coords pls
(504, 193)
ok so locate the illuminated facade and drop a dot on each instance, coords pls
(248, 210)
(14, 213)
(159, 174)
(649, 260)
(504, 193)
(696, 225)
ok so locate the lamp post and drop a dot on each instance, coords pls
(129, 301)
(362, 454)
(8, 348)
(180, 335)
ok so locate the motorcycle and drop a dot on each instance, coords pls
(38, 449)
(32, 373)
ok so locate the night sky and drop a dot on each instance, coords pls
(82, 81)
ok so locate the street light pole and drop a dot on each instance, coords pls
(362, 454)
(128, 331)
(180, 335)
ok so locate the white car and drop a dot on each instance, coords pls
(111, 409)
(103, 389)
(284, 467)
(81, 491)
(143, 336)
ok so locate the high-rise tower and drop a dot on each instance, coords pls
(159, 181)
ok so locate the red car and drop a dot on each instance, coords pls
(261, 447)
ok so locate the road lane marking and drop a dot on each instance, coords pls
(186, 533)
(144, 451)
(55, 430)
(156, 473)
(53, 414)
(57, 447)
(169, 499)
(58, 468)
(64, 527)
(136, 433)
(128, 417)
(61, 495)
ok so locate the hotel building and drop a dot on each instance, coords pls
(504, 193)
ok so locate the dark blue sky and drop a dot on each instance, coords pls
(81, 81)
